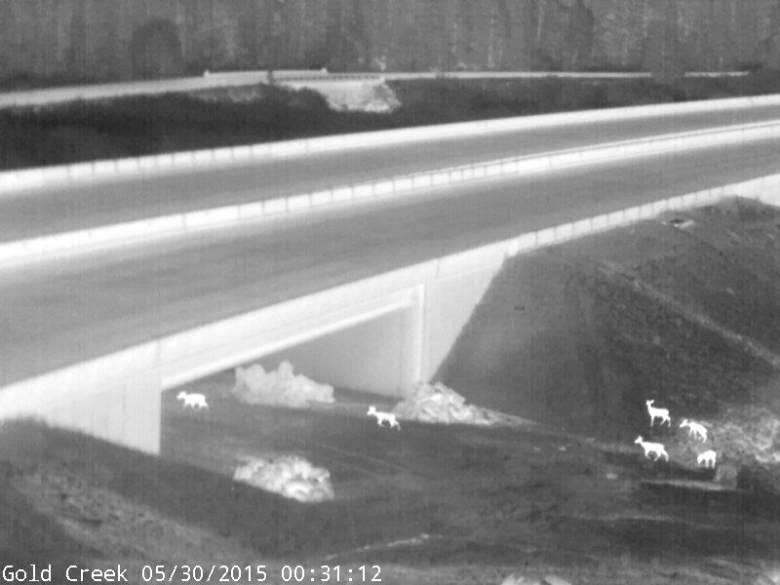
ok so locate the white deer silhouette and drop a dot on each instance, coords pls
(657, 448)
(655, 413)
(192, 400)
(383, 416)
(708, 458)
(695, 428)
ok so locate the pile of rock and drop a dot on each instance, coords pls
(289, 475)
(436, 403)
(280, 388)
(370, 95)
(750, 433)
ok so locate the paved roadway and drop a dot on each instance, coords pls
(35, 213)
(59, 313)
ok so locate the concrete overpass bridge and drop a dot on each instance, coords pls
(361, 260)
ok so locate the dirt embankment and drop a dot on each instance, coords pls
(684, 310)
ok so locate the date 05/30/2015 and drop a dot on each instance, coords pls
(262, 574)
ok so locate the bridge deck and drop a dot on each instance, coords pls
(37, 213)
(57, 314)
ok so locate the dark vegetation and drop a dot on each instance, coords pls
(665, 37)
(135, 126)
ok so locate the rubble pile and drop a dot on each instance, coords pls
(437, 403)
(280, 388)
(289, 475)
(377, 98)
(750, 432)
(371, 95)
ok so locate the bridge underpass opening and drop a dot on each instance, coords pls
(379, 355)
(397, 342)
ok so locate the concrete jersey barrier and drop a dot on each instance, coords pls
(20, 252)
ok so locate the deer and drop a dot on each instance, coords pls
(708, 458)
(657, 448)
(193, 400)
(655, 413)
(381, 417)
(695, 428)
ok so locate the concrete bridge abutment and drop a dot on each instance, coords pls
(115, 398)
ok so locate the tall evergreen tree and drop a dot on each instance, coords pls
(663, 51)
(578, 37)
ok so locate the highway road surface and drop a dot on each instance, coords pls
(35, 213)
(59, 313)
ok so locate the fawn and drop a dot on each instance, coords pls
(708, 458)
(193, 400)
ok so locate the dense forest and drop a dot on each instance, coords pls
(122, 39)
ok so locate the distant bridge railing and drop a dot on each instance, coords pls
(103, 91)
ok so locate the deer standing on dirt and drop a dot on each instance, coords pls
(655, 413)
(381, 417)
(657, 448)
(192, 400)
(708, 458)
(695, 428)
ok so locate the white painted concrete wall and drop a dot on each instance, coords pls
(374, 356)
(116, 398)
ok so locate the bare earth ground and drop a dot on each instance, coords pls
(681, 309)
